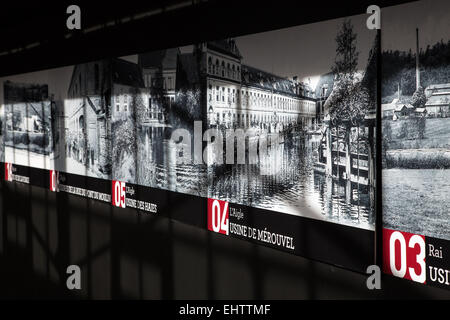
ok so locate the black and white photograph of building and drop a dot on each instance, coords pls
(87, 125)
(318, 96)
(150, 99)
(30, 122)
(129, 111)
(416, 118)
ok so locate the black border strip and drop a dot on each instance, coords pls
(378, 165)
(340, 245)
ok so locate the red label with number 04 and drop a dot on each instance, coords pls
(218, 216)
(404, 255)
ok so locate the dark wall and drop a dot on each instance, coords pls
(127, 254)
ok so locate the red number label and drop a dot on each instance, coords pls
(218, 216)
(8, 172)
(404, 255)
(54, 180)
(118, 193)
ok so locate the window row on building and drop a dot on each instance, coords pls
(166, 82)
(121, 101)
(223, 68)
(254, 117)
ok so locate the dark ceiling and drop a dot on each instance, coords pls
(33, 33)
(26, 22)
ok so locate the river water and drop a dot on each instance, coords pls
(283, 180)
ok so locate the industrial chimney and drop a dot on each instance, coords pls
(417, 60)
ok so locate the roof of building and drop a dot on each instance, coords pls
(261, 79)
(388, 107)
(189, 66)
(402, 106)
(393, 105)
(163, 59)
(326, 80)
(126, 73)
(227, 46)
(438, 100)
(420, 110)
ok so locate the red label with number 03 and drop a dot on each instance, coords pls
(118, 193)
(404, 255)
(218, 216)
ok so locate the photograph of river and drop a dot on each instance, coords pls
(416, 118)
(296, 188)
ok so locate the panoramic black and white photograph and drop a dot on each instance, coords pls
(305, 108)
(416, 118)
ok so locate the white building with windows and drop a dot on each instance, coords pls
(438, 100)
(242, 96)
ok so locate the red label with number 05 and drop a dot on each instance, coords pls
(118, 193)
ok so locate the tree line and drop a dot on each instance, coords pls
(399, 67)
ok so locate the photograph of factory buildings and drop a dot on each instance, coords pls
(416, 119)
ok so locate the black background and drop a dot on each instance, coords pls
(127, 254)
